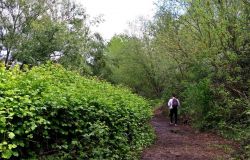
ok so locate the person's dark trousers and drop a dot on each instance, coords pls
(173, 112)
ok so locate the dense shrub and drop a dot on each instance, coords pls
(215, 108)
(198, 104)
(51, 113)
(212, 107)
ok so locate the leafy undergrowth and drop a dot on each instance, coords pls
(51, 113)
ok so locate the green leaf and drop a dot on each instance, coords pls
(10, 146)
(16, 154)
(2, 119)
(7, 154)
(11, 135)
(30, 136)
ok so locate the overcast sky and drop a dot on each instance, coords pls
(117, 13)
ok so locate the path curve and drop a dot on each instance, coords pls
(184, 143)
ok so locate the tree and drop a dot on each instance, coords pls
(36, 31)
(15, 18)
(97, 57)
(133, 62)
(208, 42)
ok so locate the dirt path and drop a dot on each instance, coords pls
(184, 143)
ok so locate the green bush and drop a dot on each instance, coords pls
(198, 104)
(50, 113)
(214, 108)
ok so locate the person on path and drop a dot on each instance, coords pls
(173, 105)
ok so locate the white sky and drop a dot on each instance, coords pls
(117, 13)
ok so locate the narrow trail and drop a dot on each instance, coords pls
(184, 143)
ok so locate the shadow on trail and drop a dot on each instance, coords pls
(184, 143)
